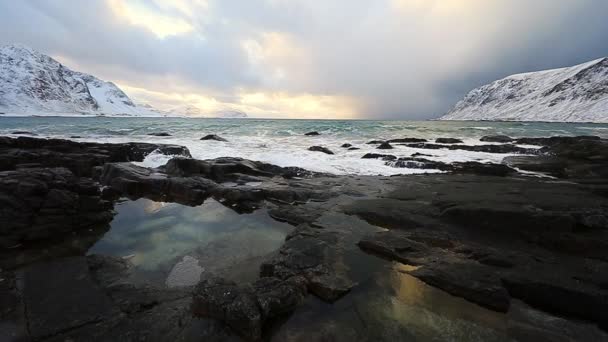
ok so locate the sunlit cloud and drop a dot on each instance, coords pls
(255, 104)
(137, 13)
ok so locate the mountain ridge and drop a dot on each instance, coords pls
(32, 83)
(573, 94)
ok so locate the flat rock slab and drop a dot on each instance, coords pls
(60, 295)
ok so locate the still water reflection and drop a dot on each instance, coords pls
(168, 242)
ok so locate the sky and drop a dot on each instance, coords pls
(329, 59)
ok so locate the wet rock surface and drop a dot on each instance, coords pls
(213, 137)
(448, 141)
(320, 149)
(485, 233)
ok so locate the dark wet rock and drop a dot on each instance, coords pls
(572, 300)
(375, 142)
(496, 138)
(439, 267)
(559, 140)
(75, 137)
(247, 308)
(79, 157)
(310, 253)
(448, 141)
(225, 169)
(566, 157)
(486, 169)
(320, 149)
(160, 134)
(418, 163)
(190, 182)
(378, 156)
(136, 181)
(314, 133)
(213, 137)
(23, 133)
(346, 145)
(407, 140)
(353, 148)
(456, 167)
(40, 203)
(506, 148)
(60, 295)
(385, 146)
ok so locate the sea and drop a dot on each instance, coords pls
(283, 143)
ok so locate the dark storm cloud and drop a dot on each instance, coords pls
(399, 59)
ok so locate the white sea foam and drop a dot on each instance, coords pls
(282, 142)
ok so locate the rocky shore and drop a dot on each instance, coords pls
(526, 240)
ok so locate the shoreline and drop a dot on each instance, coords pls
(484, 233)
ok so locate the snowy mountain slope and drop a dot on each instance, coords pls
(190, 110)
(573, 94)
(32, 83)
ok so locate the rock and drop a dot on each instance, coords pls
(346, 145)
(353, 148)
(40, 203)
(314, 133)
(385, 146)
(374, 142)
(81, 158)
(559, 140)
(213, 137)
(75, 137)
(161, 134)
(60, 295)
(23, 133)
(448, 141)
(439, 267)
(407, 140)
(488, 169)
(320, 149)
(378, 156)
(311, 253)
(506, 148)
(246, 308)
(496, 138)
(575, 300)
(418, 163)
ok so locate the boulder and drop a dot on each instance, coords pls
(407, 140)
(496, 138)
(320, 149)
(378, 156)
(448, 141)
(160, 134)
(346, 145)
(314, 133)
(385, 146)
(213, 137)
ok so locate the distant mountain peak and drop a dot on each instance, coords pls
(32, 83)
(573, 94)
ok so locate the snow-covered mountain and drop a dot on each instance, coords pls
(573, 94)
(32, 83)
(190, 110)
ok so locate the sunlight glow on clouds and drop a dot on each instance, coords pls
(137, 13)
(255, 104)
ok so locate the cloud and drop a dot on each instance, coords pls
(405, 59)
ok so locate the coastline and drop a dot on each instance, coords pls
(485, 233)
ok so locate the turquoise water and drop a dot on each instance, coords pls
(281, 142)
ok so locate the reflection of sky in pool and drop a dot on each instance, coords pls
(156, 236)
